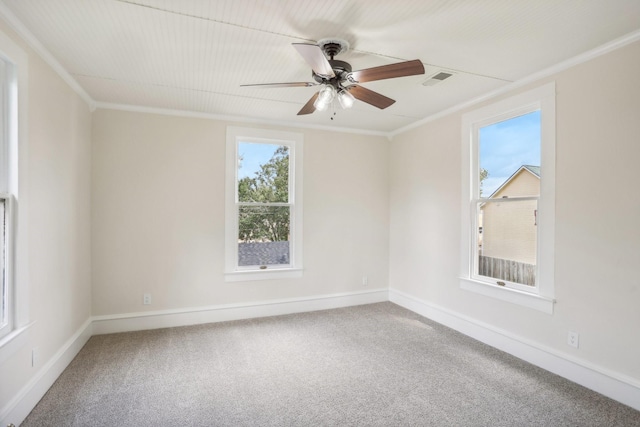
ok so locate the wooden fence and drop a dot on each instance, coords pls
(504, 269)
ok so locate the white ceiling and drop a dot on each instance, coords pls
(193, 55)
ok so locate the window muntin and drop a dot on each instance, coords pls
(473, 227)
(264, 209)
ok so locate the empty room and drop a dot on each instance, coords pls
(335, 213)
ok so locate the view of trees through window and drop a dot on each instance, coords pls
(264, 210)
(507, 204)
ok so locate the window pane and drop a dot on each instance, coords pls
(263, 173)
(504, 149)
(263, 237)
(507, 240)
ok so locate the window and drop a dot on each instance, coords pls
(508, 199)
(263, 204)
(6, 223)
(13, 197)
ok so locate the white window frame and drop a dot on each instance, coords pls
(6, 258)
(13, 186)
(540, 297)
(293, 140)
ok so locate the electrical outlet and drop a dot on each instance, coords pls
(146, 299)
(365, 280)
(34, 357)
(573, 339)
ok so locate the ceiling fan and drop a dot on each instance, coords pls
(337, 79)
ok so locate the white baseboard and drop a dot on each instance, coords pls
(220, 313)
(17, 409)
(26, 399)
(611, 384)
(616, 386)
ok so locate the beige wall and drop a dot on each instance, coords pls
(58, 176)
(597, 245)
(158, 215)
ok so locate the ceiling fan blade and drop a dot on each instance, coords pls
(308, 107)
(370, 97)
(399, 69)
(292, 84)
(315, 58)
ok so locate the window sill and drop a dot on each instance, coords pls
(13, 342)
(276, 273)
(536, 302)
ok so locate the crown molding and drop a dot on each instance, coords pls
(554, 69)
(17, 25)
(228, 118)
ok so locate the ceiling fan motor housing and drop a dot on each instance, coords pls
(333, 47)
(340, 68)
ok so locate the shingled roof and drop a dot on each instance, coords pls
(263, 253)
(533, 169)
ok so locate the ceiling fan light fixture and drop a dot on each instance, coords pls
(325, 97)
(337, 79)
(345, 99)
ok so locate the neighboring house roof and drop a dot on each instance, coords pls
(534, 170)
(263, 253)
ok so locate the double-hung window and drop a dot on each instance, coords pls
(508, 151)
(6, 202)
(13, 206)
(263, 204)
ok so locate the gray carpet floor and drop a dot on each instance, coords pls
(372, 365)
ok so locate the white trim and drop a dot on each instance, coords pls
(295, 142)
(221, 313)
(35, 44)
(526, 299)
(17, 161)
(14, 341)
(542, 98)
(619, 387)
(270, 274)
(532, 78)
(228, 118)
(17, 409)
(6, 274)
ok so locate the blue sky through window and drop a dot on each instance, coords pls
(507, 145)
(252, 156)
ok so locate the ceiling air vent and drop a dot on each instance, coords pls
(438, 77)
